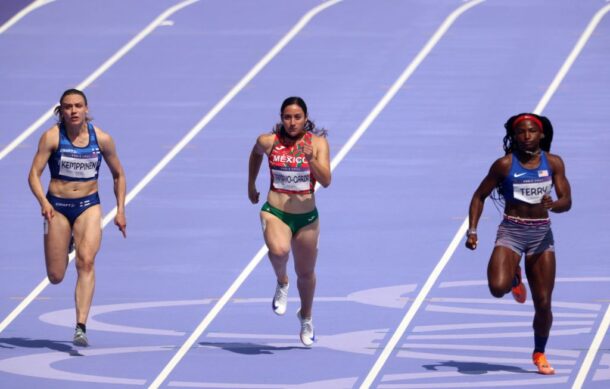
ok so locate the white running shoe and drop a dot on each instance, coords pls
(280, 299)
(308, 336)
(80, 338)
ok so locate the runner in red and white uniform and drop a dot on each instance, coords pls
(298, 156)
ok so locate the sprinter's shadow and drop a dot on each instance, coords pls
(248, 348)
(475, 367)
(60, 346)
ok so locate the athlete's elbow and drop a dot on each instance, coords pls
(325, 182)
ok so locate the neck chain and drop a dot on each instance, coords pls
(532, 153)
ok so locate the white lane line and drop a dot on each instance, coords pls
(45, 282)
(98, 72)
(23, 13)
(603, 327)
(389, 347)
(263, 250)
(156, 169)
(462, 230)
(582, 41)
(593, 349)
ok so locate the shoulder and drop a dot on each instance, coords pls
(265, 139)
(318, 140)
(500, 168)
(555, 161)
(50, 136)
(52, 132)
(104, 140)
(553, 157)
(504, 162)
(101, 135)
(264, 144)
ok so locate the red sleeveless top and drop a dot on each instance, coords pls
(289, 168)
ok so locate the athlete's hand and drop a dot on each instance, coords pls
(47, 211)
(121, 222)
(253, 194)
(471, 241)
(308, 151)
(547, 202)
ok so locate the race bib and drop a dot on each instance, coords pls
(294, 181)
(78, 167)
(532, 192)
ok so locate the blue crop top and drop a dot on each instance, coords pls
(527, 185)
(73, 163)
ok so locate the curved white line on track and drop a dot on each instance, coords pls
(456, 240)
(23, 13)
(45, 282)
(40, 365)
(98, 72)
(402, 327)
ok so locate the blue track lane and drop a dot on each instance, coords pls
(395, 203)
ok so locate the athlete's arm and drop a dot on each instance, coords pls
(562, 187)
(496, 174)
(118, 175)
(319, 160)
(254, 165)
(45, 149)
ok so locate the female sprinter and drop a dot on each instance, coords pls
(298, 156)
(73, 149)
(524, 178)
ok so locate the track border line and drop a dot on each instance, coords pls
(23, 13)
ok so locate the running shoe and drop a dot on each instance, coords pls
(280, 299)
(542, 364)
(519, 292)
(80, 338)
(308, 336)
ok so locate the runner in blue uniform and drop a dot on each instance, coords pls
(73, 149)
(524, 179)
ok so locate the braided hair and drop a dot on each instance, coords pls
(547, 130)
(509, 145)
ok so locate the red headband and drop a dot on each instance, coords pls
(528, 117)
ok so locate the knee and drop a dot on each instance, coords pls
(84, 264)
(306, 275)
(279, 252)
(497, 290)
(55, 277)
(542, 304)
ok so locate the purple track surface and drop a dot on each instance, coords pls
(398, 197)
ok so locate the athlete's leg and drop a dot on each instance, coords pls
(277, 238)
(501, 270)
(540, 270)
(305, 253)
(56, 240)
(87, 237)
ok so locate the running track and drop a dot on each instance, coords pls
(398, 305)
